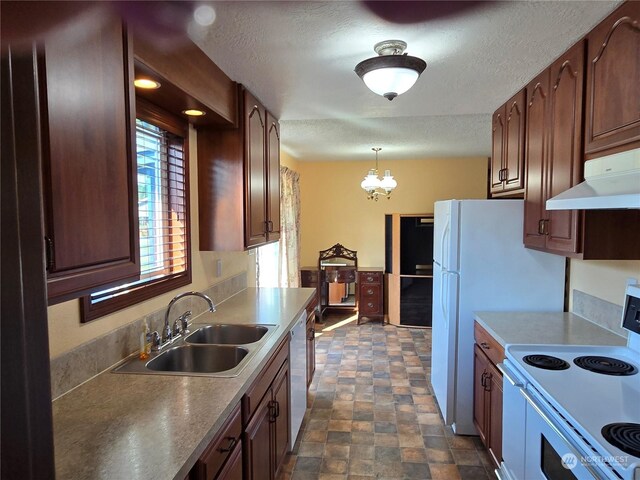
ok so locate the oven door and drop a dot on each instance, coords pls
(551, 454)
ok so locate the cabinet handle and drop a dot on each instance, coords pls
(487, 382)
(370, 305)
(500, 174)
(230, 445)
(370, 291)
(48, 252)
(545, 226)
(369, 279)
(272, 411)
(485, 345)
(277, 409)
(541, 227)
(506, 175)
(482, 380)
(270, 226)
(311, 334)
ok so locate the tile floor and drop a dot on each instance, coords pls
(372, 413)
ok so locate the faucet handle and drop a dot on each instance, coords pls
(167, 334)
(184, 321)
(155, 341)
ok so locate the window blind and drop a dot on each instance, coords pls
(162, 205)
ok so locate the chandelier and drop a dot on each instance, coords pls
(375, 186)
(391, 73)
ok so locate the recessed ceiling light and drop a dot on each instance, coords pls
(146, 83)
(192, 112)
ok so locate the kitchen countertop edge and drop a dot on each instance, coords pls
(549, 328)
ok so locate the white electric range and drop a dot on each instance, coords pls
(573, 412)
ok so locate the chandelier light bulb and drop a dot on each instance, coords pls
(376, 186)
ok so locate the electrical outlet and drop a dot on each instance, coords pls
(632, 281)
(218, 268)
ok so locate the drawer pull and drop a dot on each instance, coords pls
(230, 445)
(370, 305)
(370, 291)
(369, 279)
(485, 345)
(311, 334)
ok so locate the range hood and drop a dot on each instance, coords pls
(609, 182)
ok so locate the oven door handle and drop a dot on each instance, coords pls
(506, 374)
(574, 450)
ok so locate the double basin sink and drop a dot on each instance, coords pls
(212, 350)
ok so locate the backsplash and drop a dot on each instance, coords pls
(89, 359)
(605, 314)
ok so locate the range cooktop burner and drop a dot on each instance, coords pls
(606, 365)
(546, 362)
(625, 436)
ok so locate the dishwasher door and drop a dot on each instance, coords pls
(298, 365)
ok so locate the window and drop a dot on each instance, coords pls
(163, 215)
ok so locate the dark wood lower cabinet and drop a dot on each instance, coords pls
(487, 393)
(267, 421)
(311, 344)
(233, 469)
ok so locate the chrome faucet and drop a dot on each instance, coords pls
(167, 332)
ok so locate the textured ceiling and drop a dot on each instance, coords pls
(298, 58)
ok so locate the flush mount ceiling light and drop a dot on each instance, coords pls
(146, 83)
(194, 113)
(376, 187)
(391, 73)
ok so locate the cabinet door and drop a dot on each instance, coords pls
(89, 168)
(537, 110)
(273, 180)
(565, 146)
(257, 441)
(281, 431)
(255, 171)
(613, 79)
(480, 364)
(497, 149)
(513, 175)
(494, 441)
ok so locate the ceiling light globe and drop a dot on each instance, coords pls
(371, 181)
(388, 182)
(388, 80)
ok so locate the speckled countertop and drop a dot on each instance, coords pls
(559, 328)
(119, 426)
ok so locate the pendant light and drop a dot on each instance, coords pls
(375, 186)
(391, 73)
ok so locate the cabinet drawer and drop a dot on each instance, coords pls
(220, 449)
(262, 384)
(370, 277)
(308, 278)
(313, 303)
(488, 344)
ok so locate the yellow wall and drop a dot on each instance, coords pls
(66, 331)
(603, 279)
(334, 209)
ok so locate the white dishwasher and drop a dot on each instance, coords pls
(298, 366)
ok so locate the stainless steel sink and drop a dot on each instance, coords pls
(227, 334)
(212, 350)
(198, 359)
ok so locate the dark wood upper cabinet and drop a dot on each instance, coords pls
(536, 157)
(255, 171)
(89, 172)
(273, 178)
(507, 161)
(554, 159)
(613, 83)
(238, 180)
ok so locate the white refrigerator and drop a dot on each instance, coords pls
(480, 264)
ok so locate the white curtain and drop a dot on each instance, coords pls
(289, 253)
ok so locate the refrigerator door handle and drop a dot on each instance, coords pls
(443, 283)
(443, 242)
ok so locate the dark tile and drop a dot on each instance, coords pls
(342, 438)
(387, 454)
(472, 473)
(363, 416)
(385, 427)
(416, 471)
(308, 464)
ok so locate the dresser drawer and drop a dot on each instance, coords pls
(370, 277)
(488, 344)
(370, 292)
(370, 306)
(308, 278)
(346, 276)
